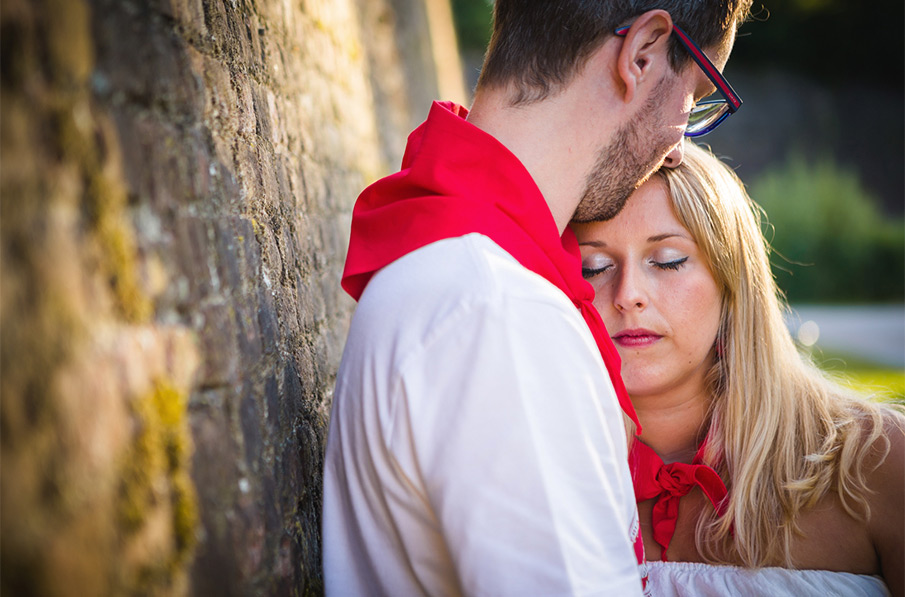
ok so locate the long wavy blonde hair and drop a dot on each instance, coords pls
(782, 434)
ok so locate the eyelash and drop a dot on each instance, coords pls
(588, 273)
(673, 265)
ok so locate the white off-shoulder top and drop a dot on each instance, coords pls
(690, 579)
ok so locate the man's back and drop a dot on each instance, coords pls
(475, 445)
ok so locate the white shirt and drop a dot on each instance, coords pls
(476, 445)
(689, 579)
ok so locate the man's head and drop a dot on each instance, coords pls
(538, 45)
(620, 104)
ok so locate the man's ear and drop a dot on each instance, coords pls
(644, 49)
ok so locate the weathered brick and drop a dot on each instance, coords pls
(191, 239)
(229, 256)
(219, 346)
(139, 37)
(251, 253)
(250, 420)
(189, 15)
(216, 481)
(272, 396)
(248, 334)
(232, 138)
(267, 320)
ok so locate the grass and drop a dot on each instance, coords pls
(882, 383)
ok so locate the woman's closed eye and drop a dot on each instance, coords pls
(673, 264)
(595, 264)
(590, 272)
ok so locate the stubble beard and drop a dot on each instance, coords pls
(627, 162)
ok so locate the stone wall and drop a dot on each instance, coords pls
(176, 184)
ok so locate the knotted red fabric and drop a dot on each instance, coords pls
(456, 180)
(651, 478)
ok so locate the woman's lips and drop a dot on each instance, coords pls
(636, 338)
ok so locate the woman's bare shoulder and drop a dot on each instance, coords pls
(886, 462)
(886, 482)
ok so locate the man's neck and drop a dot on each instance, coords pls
(551, 139)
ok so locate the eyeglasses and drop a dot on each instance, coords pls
(704, 116)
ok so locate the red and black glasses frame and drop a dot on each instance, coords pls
(705, 116)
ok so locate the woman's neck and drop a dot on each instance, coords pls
(674, 426)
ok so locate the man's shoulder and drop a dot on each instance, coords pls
(469, 269)
(460, 283)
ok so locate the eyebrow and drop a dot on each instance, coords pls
(653, 239)
(659, 237)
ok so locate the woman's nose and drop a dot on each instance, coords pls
(674, 157)
(630, 291)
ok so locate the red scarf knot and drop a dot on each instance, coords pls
(669, 483)
(676, 479)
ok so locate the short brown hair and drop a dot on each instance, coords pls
(539, 44)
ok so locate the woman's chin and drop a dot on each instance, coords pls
(641, 390)
(642, 382)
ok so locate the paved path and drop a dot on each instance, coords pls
(872, 332)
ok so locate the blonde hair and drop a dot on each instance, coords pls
(782, 433)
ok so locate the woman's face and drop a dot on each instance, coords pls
(655, 293)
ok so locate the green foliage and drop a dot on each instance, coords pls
(830, 242)
(883, 384)
(473, 23)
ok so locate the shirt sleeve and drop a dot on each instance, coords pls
(508, 418)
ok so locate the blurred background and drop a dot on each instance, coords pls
(820, 144)
(176, 188)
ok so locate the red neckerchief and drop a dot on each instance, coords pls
(652, 478)
(455, 180)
